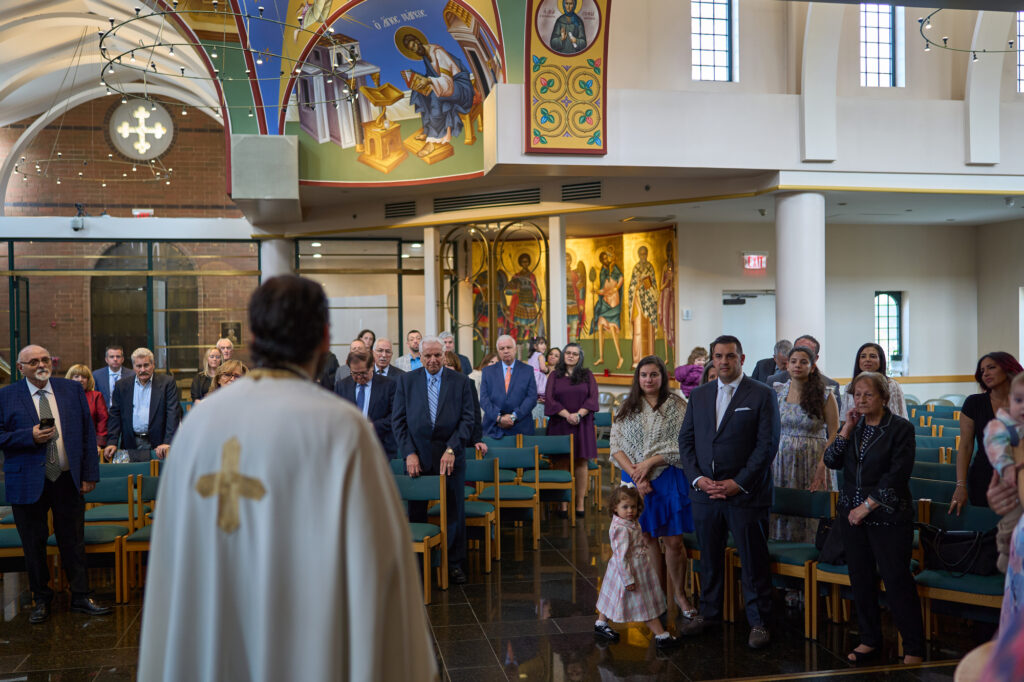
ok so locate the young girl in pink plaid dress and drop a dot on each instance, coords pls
(630, 591)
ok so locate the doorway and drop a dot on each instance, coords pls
(750, 317)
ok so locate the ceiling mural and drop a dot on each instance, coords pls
(377, 91)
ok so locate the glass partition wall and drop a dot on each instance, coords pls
(77, 297)
(374, 284)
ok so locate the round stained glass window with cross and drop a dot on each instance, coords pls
(141, 130)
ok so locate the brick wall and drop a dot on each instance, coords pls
(197, 188)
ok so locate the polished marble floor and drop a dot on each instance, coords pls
(531, 618)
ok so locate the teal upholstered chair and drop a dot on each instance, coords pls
(554, 479)
(107, 523)
(138, 542)
(427, 536)
(935, 471)
(515, 494)
(480, 514)
(972, 595)
(930, 489)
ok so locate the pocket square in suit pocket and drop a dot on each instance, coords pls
(742, 409)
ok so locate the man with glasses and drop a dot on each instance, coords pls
(382, 359)
(49, 443)
(144, 413)
(372, 394)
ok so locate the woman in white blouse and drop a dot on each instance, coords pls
(645, 445)
(871, 358)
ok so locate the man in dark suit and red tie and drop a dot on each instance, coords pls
(727, 443)
(50, 462)
(374, 395)
(433, 421)
(508, 393)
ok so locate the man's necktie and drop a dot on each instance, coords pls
(508, 377)
(360, 396)
(52, 463)
(722, 404)
(432, 395)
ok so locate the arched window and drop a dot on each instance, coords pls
(888, 323)
(124, 307)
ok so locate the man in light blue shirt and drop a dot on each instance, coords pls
(140, 405)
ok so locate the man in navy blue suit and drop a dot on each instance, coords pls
(373, 395)
(508, 393)
(727, 443)
(433, 422)
(49, 468)
(114, 371)
(145, 410)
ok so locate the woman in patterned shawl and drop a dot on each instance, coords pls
(645, 445)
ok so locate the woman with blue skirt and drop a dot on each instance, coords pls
(645, 445)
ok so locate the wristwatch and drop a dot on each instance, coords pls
(513, 417)
(449, 451)
(867, 503)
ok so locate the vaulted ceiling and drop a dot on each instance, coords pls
(50, 57)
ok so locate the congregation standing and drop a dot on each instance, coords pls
(705, 461)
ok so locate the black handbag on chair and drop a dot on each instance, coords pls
(959, 551)
(829, 541)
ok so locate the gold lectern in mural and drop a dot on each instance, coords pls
(382, 139)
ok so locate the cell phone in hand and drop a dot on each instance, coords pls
(47, 423)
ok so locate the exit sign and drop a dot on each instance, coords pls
(755, 261)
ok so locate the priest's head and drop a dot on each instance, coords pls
(289, 323)
(432, 354)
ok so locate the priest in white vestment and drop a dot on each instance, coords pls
(280, 549)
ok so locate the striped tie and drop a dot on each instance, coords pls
(432, 395)
(52, 463)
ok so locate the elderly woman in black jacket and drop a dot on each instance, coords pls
(875, 451)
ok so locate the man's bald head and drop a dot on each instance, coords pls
(35, 363)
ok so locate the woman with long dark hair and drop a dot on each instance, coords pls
(570, 400)
(871, 358)
(368, 337)
(645, 445)
(994, 373)
(810, 419)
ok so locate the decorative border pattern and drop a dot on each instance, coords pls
(565, 95)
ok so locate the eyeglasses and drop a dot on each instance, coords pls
(35, 362)
(230, 376)
(364, 373)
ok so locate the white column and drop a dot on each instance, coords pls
(277, 257)
(800, 267)
(431, 280)
(557, 305)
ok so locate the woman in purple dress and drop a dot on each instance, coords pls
(570, 400)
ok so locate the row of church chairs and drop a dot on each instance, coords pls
(937, 586)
